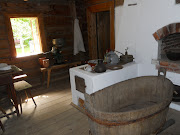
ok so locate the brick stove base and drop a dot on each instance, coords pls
(171, 66)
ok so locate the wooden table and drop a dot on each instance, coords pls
(49, 69)
(6, 78)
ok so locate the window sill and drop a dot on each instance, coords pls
(29, 55)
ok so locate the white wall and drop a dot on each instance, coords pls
(134, 26)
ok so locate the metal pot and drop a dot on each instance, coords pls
(174, 56)
(126, 58)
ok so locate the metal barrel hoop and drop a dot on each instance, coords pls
(117, 123)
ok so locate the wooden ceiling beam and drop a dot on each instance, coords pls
(95, 2)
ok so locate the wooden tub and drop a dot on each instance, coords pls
(134, 107)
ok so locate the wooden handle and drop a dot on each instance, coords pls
(162, 70)
(175, 92)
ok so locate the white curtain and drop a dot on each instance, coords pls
(78, 39)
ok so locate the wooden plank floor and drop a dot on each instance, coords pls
(55, 116)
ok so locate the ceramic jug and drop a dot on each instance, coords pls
(100, 67)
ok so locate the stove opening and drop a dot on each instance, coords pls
(170, 47)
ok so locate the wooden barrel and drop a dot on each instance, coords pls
(134, 107)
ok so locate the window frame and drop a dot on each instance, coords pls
(10, 32)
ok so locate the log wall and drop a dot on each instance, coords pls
(58, 23)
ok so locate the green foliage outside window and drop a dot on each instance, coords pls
(21, 29)
(22, 32)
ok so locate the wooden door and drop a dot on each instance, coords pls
(103, 33)
(92, 40)
(92, 33)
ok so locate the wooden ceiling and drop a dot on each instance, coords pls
(36, 1)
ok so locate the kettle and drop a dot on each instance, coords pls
(100, 67)
(111, 58)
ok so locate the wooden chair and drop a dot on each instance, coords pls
(2, 127)
(5, 115)
(4, 112)
(23, 86)
(6, 80)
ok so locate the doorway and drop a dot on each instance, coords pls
(100, 20)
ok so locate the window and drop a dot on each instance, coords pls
(26, 34)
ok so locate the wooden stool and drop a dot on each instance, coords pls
(23, 86)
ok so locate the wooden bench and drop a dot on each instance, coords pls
(49, 69)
